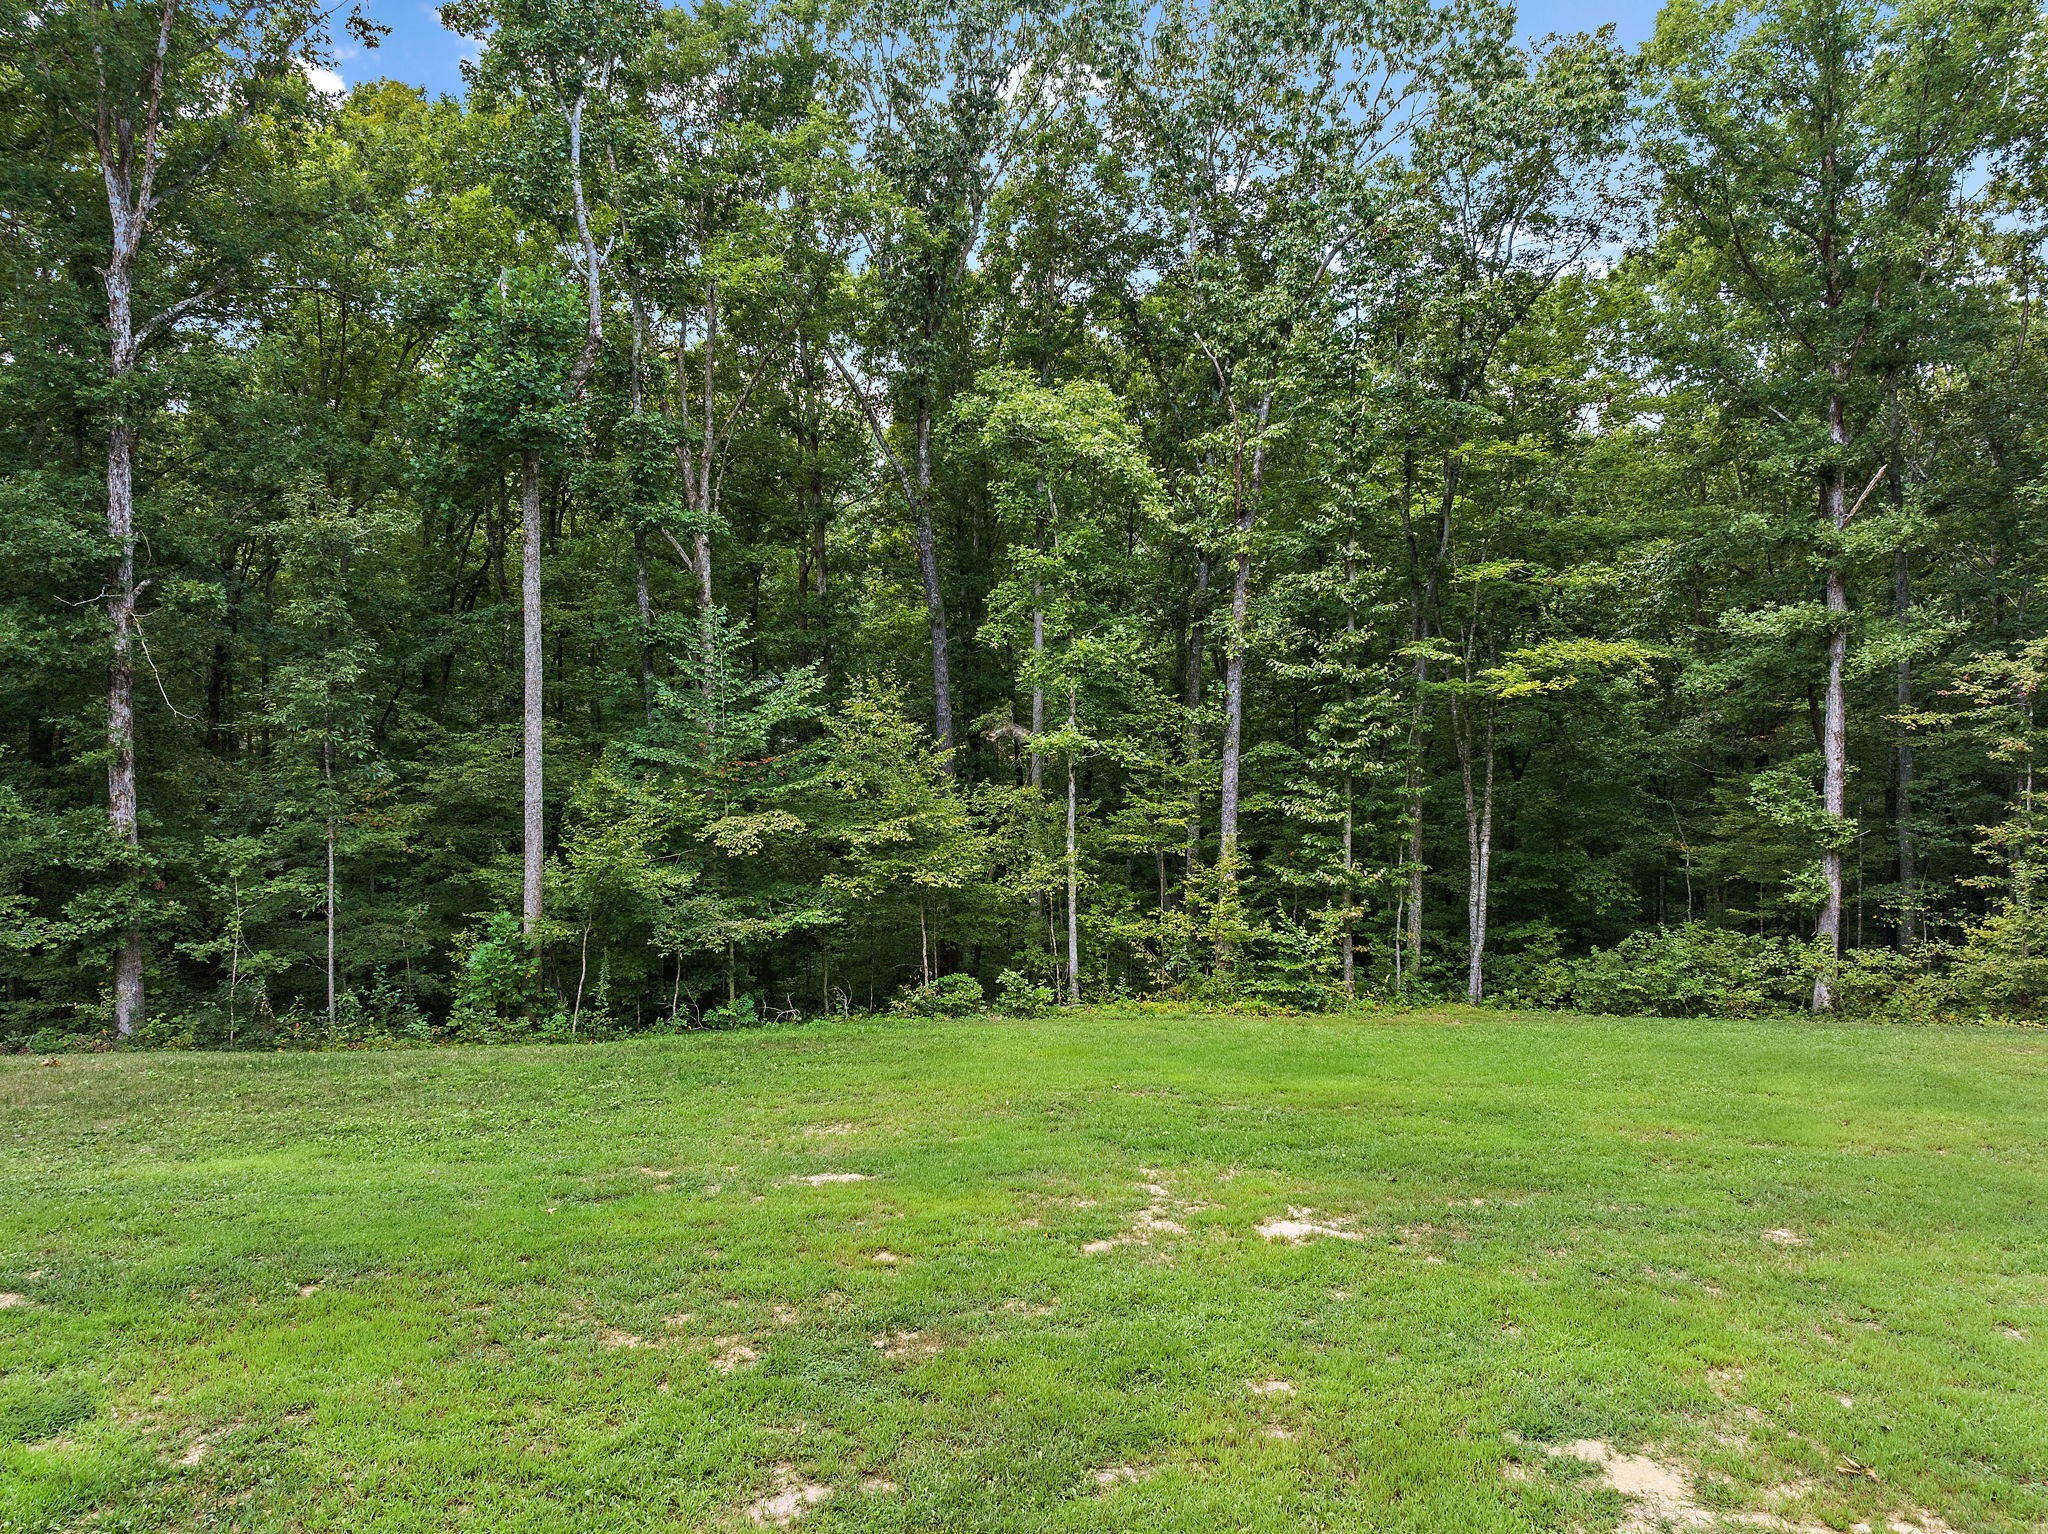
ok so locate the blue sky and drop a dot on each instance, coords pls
(420, 51)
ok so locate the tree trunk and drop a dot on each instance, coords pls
(1478, 845)
(1233, 662)
(1037, 681)
(1195, 647)
(1902, 607)
(122, 812)
(1346, 944)
(1834, 743)
(529, 589)
(327, 774)
(1073, 876)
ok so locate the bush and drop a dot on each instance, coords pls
(1997, 974)
(1017, 996)
(740, 1012)
(947, 996)
(1695, 971)
(499, 993)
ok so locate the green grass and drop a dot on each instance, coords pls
(487, 1288)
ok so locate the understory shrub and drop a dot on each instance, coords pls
(1693, 970)
(947, 996)
(1018, 996)
(740, 1012)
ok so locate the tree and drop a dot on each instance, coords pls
(561, 62)
(1814, 153)
(166, 107)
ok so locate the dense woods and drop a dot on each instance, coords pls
(773, 507)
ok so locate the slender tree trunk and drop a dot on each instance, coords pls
(1478, 844)
(122, 811)
(1037, 681)
(1902, 606)
(1195, 648)
(1835, 717)
(529, 589)
(1347, 951)
(1233, 660)
(1348, 944)
(327, 774)
(1073, 874)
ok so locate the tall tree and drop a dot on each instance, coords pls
(561, 62)
(1814, 153)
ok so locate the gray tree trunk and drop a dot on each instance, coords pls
(529, 592)
(1834, 742)
(1073, 877)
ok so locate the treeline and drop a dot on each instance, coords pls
(774, 506)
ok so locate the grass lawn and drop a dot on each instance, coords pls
(1516, 1274)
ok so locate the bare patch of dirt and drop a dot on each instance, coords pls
(784, 1315)
(906, 1345)
(309, 1289)
(1660, 1496)
(787, 1502)
(1271, 1388)
(1109, 1477)
(12, 1301)
(732, 1354)
(877, 1486)
(830, 1129)
(195, 1453)
(656, 1173)
(1783, 1237)
(612, 1337)
(1301, 1227)
(1155, 1219)
(886, 1258)
(820, 1179)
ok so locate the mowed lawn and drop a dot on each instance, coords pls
(1515, 1273)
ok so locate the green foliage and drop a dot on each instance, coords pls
(943, 996)
(498, 994)
(1694, 971)
(1019, 996)
(1419, 428)
(741, 1012)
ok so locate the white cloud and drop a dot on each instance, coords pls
(324, 80)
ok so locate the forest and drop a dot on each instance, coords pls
(766, 508)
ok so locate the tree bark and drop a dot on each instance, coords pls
(1195, 647)
(529, 590)
(1834, 743)
(122, 807)
(1037, 777)
(1233, 659)
(1073, 874)
(1478, 843)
